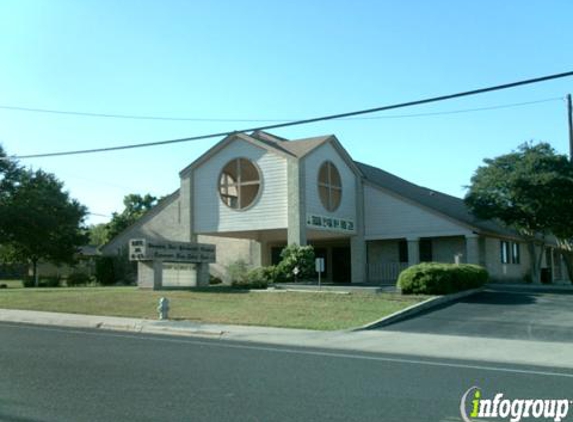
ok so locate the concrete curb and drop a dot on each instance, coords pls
(417, 308)
(129, 325)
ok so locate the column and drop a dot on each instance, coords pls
(296, 230)
(358, 259)
(552, 264)
(472, 249)
(157, 274)
(413, 250)
(358, 243)
(202, 270)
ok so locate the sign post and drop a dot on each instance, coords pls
(295, 271)
(319, 267)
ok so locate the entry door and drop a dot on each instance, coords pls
(341, 266)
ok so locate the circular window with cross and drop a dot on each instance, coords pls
(329, 186)
(239, 183)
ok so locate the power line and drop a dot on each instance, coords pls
(311, 120)
(243, 120)
(465, 110)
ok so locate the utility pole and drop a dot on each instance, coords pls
(570, 120)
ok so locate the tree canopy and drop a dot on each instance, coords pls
(135, 206)
(38, 219)
(529, 190)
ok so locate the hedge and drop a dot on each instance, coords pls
(438, 279)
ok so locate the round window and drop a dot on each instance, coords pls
(239, 183)
(329, 186)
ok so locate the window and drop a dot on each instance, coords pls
(402, 251)
(425, 249)
(329, 186)
(515, 253)
(239, 183)
(505, 253)
(509, 252)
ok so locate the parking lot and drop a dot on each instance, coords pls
(509, 312)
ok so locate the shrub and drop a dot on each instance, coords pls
(43, 281)
(237, 271)
(28, 282)
(78, 279)
(295, 256)
(213, 280)
(104, 270)
(437, 279)
(254, 279)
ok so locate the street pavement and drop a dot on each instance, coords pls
(51, 374)
(503, 312)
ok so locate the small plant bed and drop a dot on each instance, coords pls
(216, 304)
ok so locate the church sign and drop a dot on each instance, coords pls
(330, 223)
(148, 250)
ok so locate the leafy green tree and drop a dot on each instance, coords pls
(296, 256)
(98, 234)
(135, 206)
(39, 221)
(530, 190)
(9, 173)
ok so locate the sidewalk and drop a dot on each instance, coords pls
(552, 354)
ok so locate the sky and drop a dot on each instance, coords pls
(265, 60)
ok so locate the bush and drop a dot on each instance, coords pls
(237, 271)
(213, 280)
(28, 282)
(78, 279)
(104, 271)
(295, 256)
(52, 281)
(438, 279)
(257, 278)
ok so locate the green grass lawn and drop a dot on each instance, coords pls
(318, 311)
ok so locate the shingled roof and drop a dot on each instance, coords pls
(447, 205)
(297, 147)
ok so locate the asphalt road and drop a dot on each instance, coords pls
(51, 374)
(509, 313)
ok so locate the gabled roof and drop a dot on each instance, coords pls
(447, 205)
(298, 147)
(148, 215)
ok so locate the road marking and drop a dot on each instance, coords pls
(284, 349)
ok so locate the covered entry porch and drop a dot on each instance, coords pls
(263, 248)
(386, 258)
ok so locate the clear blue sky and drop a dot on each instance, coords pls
(276, 60)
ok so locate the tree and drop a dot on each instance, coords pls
(9, 173)
(98, 234)
(39, 221)
(135, 206)
(529, 190)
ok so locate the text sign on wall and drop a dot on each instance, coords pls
(148, 250)
(330, 223)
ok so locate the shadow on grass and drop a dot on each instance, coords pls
(218, 289)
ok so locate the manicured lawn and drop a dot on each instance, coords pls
(319, 311)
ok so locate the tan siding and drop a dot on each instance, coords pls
(270, 209)
(164, 225)
(387, 216)
(505, 272)
(445, 249)
(312, 163)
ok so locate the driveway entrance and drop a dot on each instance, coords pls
(508, 312)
